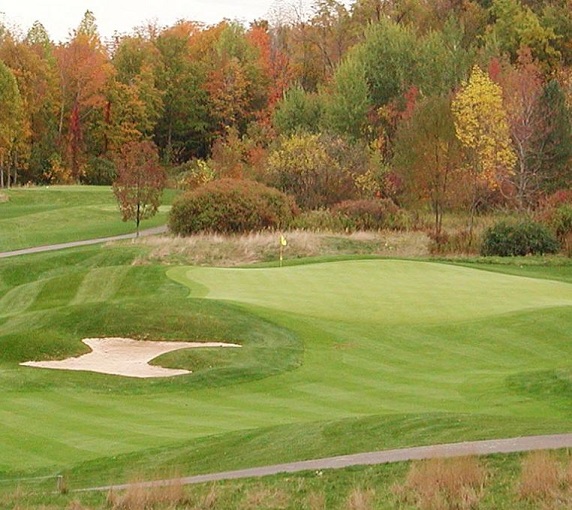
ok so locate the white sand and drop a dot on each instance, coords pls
(124, 356)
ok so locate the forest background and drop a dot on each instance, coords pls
(440, 105)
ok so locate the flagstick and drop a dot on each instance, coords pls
(281, 253)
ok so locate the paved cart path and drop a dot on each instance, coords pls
(512, 445)
(86, 242)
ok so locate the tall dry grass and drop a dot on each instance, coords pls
(546, 481)
(360, 499)
(444, 484)
(137, 497)
(220, 250)
(316, 501)
(76, 505)
(540, 476)
(265, 498)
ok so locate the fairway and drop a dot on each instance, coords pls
(39, 216)
(337, 357)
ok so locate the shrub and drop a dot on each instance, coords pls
(556, 212)
(524, 238)
(460, 241)
(231, 206)
(192, 174)
(369, 215)
(318, 220)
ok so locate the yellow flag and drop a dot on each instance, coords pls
(283, 241)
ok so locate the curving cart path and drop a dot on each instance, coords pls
(87, 242)
(487, 447)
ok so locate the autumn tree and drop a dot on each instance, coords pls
(330, 32)
(135, 102)
(522, 89)
(12, 122)
(237, 83)
(140, 181)
(184, 128)
(33, 65)
(318, 170)
(273, 63)
(85, 70)
(481, 125)
(428, 156)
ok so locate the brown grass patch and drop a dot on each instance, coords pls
(360, 499)
(148, 498)
(454, 484)
(267, 499)
(227, 251)
(316, 501)
(544, 479)
(210, 499)
(76, 505)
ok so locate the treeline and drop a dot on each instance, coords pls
(441, 102)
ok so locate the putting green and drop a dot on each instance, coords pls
(420, 345)
(384, 292)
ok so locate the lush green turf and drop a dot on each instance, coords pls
(38, 216)
(338, 358)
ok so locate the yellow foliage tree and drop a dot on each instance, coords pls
(481, 125)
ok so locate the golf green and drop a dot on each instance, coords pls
(323, 343)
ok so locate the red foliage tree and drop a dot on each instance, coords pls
(140, 181)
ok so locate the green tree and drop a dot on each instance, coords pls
(298, 111)
(552, 149)
(140, 181)
(347, 106)
(390, 57)
(443, 62)
(138, 65)
(516, 26)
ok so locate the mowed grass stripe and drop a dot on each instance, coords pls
(58, 291)
(100, 284)
(19, 299)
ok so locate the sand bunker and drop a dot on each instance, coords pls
(124, 356)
